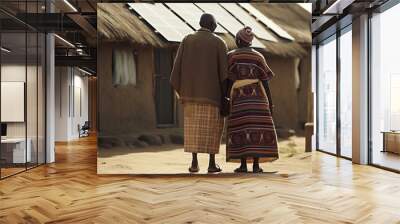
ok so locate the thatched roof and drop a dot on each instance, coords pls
(291, 17)
(283, 49)
(115, 22)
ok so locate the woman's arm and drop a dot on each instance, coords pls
(228, 84)
(268, 92)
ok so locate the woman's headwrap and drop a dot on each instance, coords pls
(245, 35)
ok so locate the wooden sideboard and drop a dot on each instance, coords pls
(391, 141)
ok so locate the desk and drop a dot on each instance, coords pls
(391, 141)
(13, 150)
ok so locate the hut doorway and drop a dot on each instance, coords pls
(164, 94)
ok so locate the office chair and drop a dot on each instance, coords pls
(84, 130)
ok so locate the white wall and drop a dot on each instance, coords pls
(12, 73)
(81, 82)
(34, 125)
(17, 73)
(71, 102)
(62, 82)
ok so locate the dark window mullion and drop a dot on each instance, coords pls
(317, 97)
(37, 91)
(369, 102)
(338, 94)
(0, 99)
(44, 79)
(26, 88)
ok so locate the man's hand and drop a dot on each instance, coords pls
(271, 109)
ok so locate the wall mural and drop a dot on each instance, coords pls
(165, 70)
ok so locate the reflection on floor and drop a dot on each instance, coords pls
(387, 159)
(171, 159)
(10, 171)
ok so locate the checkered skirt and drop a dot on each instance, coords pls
(203, 126)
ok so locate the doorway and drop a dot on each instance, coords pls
(164, 93)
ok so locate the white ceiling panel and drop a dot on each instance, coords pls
(248, 20)
(162, 20)
(229, 22)
(191, 14)
(222, 16)
(267, 21)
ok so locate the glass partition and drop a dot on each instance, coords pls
(334, 94)
(22, 88)
(14, 145)
(346, 92)
(326, 96)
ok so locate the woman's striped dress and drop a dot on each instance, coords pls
(251, 131)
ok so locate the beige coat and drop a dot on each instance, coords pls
(200, 60)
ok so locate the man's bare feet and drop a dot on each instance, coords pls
(212, 166)
(214, 169)
(194, 168)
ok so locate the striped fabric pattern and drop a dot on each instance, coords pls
(248, 64)
(251, 131)
(203, 127)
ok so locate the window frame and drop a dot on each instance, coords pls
(333, 37)
(380, 9)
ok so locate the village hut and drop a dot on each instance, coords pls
(146, 101)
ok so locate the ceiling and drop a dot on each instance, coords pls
(76, 22)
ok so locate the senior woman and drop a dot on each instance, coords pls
(251, 132)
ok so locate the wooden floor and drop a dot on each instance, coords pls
(70, 191)
(5, 172)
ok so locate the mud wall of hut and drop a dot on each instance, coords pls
(125, 109)
(290, 89)
(305, 99)
(129, 109)
(284, 91)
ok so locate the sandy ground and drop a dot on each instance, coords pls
(171, 159)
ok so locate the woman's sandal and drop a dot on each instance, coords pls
(215, 169)
(240, 170)
(257, 170)
(194, 169)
